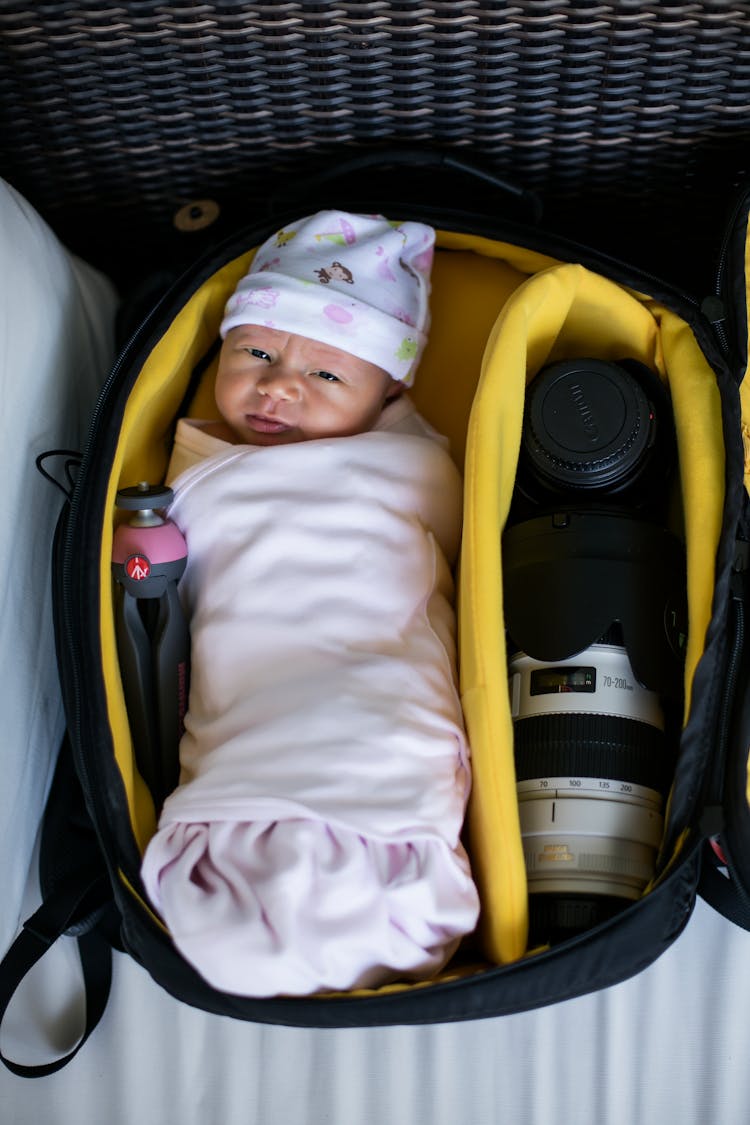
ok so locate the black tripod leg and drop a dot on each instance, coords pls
(136, 667)
(171, 655)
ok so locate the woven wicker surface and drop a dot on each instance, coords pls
(112, 116)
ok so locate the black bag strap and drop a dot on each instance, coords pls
(70, 902)
(76, 900)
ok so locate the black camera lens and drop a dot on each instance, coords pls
(590, 429)
(594, 589)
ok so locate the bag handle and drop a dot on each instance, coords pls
(420, 158)
(71, 903)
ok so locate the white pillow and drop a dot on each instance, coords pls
(56, 347)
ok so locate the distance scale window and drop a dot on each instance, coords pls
(557, 681)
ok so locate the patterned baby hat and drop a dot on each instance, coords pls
(356, 282)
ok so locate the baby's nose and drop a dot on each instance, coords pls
(279, 382)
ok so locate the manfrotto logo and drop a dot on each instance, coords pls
(585, 413)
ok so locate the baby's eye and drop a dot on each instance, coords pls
(258, 353)
(328, 376)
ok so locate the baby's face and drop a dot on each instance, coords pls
(274, 387)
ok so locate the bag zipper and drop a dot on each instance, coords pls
(719, 307)
(712, 819)
(732, 813)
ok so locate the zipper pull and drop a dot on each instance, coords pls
(740, 567)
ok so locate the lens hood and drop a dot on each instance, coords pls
(568, 575)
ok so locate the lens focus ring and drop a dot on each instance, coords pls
(581, 745)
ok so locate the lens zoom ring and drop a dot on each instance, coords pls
(580, 745)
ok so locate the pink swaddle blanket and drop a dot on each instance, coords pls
(314, 840)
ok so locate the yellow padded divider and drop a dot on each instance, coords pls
(562, 312)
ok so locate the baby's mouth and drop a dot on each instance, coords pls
(262, 424)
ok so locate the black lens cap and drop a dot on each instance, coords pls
(588, 426)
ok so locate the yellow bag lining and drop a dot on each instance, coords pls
(499, 313)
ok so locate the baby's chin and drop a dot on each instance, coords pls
(285, 437)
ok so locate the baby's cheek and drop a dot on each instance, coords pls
(226, 391)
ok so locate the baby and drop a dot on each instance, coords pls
(307, 359)
(314, 840)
